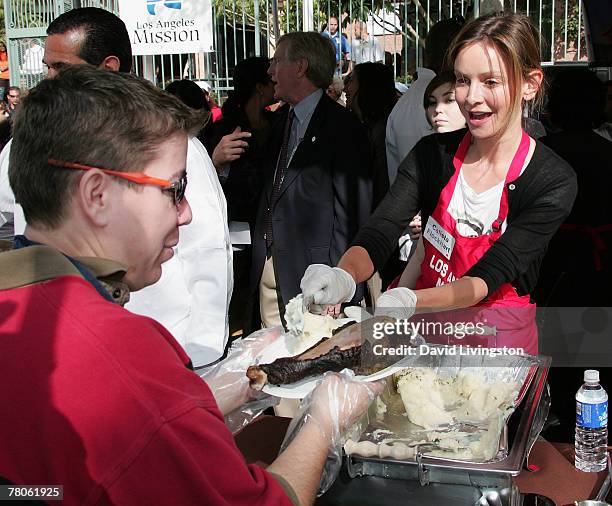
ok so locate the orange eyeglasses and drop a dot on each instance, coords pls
(176, 188)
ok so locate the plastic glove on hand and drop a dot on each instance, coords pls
(399, 303)
(327, 285)
(227, 379)
(336, 402)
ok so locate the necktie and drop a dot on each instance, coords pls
(279, 176)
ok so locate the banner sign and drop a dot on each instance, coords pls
(168, 26)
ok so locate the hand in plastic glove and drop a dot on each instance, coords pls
(400, 303)
(339, 400)
(327, 285)
(315, 433)
(227, 379)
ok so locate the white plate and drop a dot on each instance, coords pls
(300, 389)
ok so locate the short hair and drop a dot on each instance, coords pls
(516, 40)
(189, 93)
(86, 115)
(105, 35)
(13, 88)
(318, 50)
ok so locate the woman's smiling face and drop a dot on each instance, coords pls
(482, 90)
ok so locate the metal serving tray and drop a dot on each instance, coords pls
(520, 433)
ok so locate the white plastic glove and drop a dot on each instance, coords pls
(229, 384)
(327, 285)
(400, 303)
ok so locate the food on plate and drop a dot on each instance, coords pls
(309, 328)
(343, 350)
(291, 369)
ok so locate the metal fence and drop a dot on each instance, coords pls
(245, 28)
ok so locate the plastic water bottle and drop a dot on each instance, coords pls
(591, 424)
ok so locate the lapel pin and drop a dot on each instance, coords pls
(313, 139)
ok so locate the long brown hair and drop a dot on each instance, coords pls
(516, 40)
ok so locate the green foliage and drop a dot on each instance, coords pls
(573, 22)
(290, 12)
(2, 26)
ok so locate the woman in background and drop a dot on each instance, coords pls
(236, 149)
(370, 94)
(441, 109)
(4, 72)
(192, 95)
(444, 115)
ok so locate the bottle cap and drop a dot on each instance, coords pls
(591, 376)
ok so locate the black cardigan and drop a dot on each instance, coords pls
(539, 200)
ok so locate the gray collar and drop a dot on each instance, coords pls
(305, 108)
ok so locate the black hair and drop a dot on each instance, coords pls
(247, 75)
(439, 39)
(376, 91)
(447, 77)
(105, 35)
(189, 93)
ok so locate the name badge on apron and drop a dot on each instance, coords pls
(439, 238)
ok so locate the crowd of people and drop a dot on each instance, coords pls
(147, 233)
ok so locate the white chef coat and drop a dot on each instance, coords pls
(7, 199)
(192, 297)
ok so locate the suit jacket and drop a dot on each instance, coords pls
(325, 197)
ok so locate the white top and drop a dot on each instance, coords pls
(7, 199)
(192, 297)
(33, 60)
(366, 50)
(407, 122)
(475, 212)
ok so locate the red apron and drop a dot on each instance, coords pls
(506, 319)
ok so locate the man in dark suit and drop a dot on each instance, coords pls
(318, 189)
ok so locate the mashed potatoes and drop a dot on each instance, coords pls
(431, 400)
(308, 328)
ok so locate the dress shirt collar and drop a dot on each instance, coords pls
(305, 108)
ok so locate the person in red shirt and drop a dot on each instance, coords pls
(95, 398)
(4, 71)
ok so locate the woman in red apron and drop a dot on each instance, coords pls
(496, 147)
(506, 318)
(490, 197)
